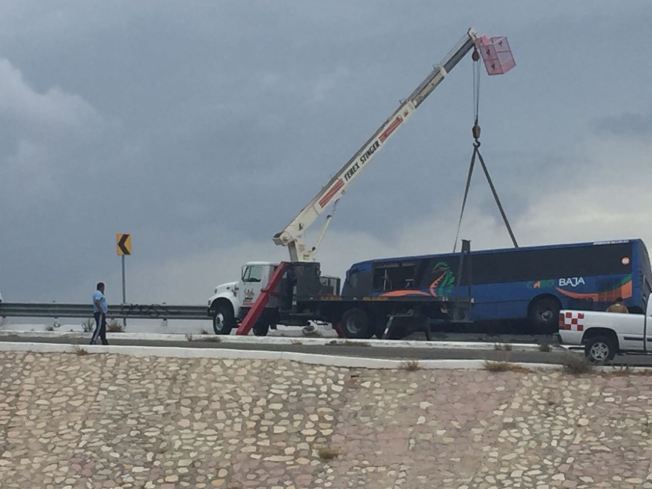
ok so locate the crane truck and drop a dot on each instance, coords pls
(295, 292)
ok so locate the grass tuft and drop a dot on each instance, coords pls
(79, 350)
(620, 371)
(504, 367)
(576, 364)
(115, 326)
(545, 347)
(88, 325)
(410, 365)
(503, 347)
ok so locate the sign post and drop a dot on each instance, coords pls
(123, 248)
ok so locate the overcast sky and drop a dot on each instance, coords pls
(202, 128)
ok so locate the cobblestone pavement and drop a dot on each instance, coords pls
(108, 421)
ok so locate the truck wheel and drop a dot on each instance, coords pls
(356, 323)
(543, 315)
(261, 328)
(600, 349)
(223, 320)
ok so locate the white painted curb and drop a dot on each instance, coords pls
(222, 353)
(271, 340)
(307, 358)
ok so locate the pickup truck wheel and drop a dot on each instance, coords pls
(223, 320)
(600, 349)
(261, 328)
(543, 315)
(356, 323)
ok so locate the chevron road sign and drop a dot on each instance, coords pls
(123, 248)
(123, 244)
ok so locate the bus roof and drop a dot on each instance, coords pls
(500, 250)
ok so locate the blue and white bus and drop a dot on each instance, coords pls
(531, 283)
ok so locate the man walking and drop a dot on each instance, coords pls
(100, 308)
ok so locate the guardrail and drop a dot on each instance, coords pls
(135, 311)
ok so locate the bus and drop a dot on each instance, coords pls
(529, 283)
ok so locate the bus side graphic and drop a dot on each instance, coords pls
(624, 291)
(440, 286)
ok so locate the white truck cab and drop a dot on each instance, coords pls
(230, 298)
(605, 334)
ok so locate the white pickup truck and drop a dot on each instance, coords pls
(604, 334)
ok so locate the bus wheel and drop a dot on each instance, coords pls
(544, 314)
(356, 323)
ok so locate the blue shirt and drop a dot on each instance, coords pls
(99, 299)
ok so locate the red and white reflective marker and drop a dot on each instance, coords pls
(573, 321)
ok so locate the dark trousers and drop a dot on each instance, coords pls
(100, 329)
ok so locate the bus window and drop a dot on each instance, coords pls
(394, 276)
(551, 263)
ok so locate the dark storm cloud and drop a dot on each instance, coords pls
(198, 126)
(636, 125)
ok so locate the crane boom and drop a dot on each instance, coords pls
(292, 235)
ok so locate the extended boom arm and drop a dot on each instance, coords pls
(292, 235)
